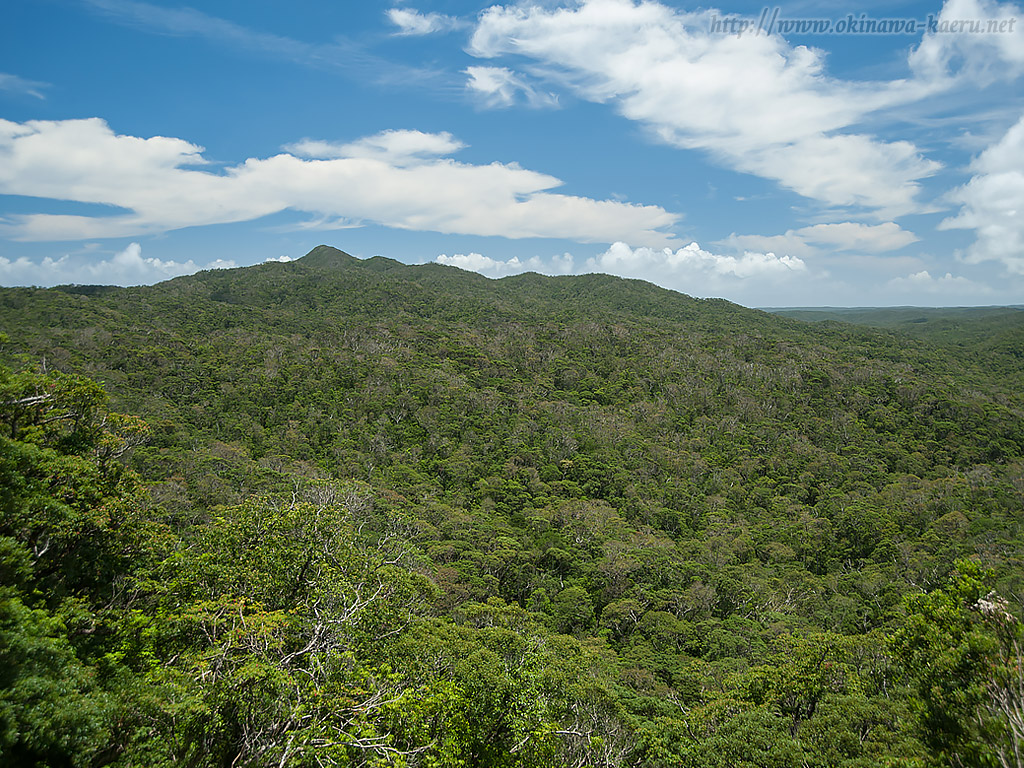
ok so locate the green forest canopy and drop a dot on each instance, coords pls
(364, 513)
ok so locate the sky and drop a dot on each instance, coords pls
(825, 154)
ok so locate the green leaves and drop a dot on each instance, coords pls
(961, 651)
(51, 712)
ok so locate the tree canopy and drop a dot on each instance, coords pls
(344, 512)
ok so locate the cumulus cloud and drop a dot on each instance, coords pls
(397, 179)
(413, 23)
(923, 282)
(690, 269)
(501, 87)
(749, 276)
(995, 52)
(992, 203)
(485, 265)
(752, 277)
(755, 102)
(691, 260)
(127, 267)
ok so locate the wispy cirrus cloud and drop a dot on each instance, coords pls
(190, 22)
(399, 179)
(15, 84)
(501, 87)
(341, 55)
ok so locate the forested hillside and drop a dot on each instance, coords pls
(990, 336)
(362, 513)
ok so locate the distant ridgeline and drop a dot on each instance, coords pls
(352, 512)
(991, 336)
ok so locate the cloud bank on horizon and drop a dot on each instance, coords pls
(595, 135)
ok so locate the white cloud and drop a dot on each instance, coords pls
(993, 203)
(853, 236)
(665, 265)
(690, 269)
(280, 259)
(411, 22)
(751, 277)
(982, 57)
(318, 224)
(475, 262)
(790, 244)
(842, 236)
(845, 170)
(691, 259)
(15, 84)
(398, 147)
(500, 87)
(127, 267)
(923, 282)
(395, 179)
(757, 103)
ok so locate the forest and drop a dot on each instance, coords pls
(344, 512)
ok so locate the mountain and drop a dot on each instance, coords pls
(528, 521)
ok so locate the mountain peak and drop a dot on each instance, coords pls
(325, 256)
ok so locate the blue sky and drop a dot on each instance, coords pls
(773, 167)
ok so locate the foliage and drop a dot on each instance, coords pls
(962, 650)
(376, 515)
